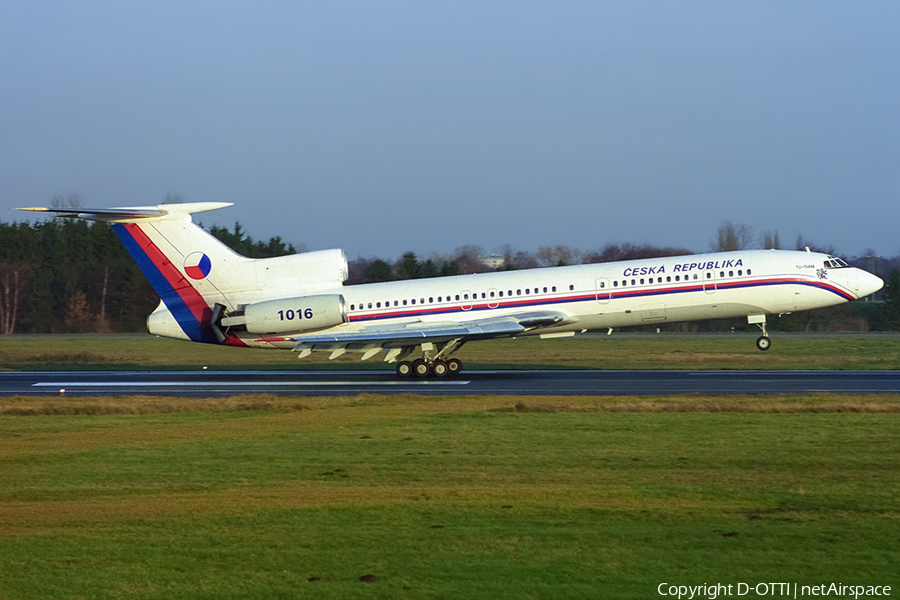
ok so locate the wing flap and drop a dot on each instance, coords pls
(413, 334)
(410, 336)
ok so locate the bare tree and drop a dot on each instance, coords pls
(12, 288)
(771, 241)
(616, 252)
(732, 237)
(557, 257)
(804, 244)
(66, 201)
(78, 315)
(468, 258)
(525, 260)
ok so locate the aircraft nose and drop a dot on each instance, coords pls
(868, 283)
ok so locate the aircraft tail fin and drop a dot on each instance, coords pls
(198, 278)
(191, 270)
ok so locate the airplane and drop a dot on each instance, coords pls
(210, 294)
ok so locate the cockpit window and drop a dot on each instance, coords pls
(834, 262)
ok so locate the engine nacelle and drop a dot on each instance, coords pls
(291, 314)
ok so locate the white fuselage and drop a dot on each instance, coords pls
(619, 294)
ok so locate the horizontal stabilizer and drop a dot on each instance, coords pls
(131, 214)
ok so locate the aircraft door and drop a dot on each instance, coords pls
(604, 291)
(466, 298)
(709, 282)
(493, 299)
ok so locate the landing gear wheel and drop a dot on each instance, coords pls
(454, 366)
(420, 368)
(440, 368)
(404, 369)
(763, 343)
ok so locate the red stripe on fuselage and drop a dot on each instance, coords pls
(605, 296)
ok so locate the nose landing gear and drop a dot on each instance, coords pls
(762, 342)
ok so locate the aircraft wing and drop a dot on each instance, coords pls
(419, 332)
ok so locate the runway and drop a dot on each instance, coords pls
(518, 383)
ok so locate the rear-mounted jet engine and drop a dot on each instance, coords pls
(290, 314)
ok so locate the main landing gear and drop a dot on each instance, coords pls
(762, 342)
(434, 361)
(423, 368)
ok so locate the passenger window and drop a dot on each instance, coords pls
(633, 282)
(696, 277)
(482, 296)
(404, 303)
(413, 300)
(709, 275)
(731, 273)
(352, 307)
(615, 284)
(740, 272)
(642, 282)
(457, 297)
(602, 284)
(501, 293)
(378, 305)
(571, 288)
(370, 305)
(492, 294)
(721, 273)
(553, 288)
(545, 290)
(527, 291)
(430, 300)
(518, 292)
(748, 272)
(465, 296)
(421, 300)
(678, 278)
(668, 279)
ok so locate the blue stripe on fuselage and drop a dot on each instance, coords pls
(587, 297)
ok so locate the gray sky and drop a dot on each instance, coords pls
(381, 127)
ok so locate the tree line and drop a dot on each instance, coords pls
(74, 276)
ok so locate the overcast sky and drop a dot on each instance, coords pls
(381, 127)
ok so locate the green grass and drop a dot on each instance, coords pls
(464, 497)
(666, 351)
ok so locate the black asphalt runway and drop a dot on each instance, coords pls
(518, 383)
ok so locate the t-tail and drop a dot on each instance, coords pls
(198, 278)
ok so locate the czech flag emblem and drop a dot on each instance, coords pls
(197, 265)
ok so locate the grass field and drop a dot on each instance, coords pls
(667, 351)
(463, 497)
(439, 497)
